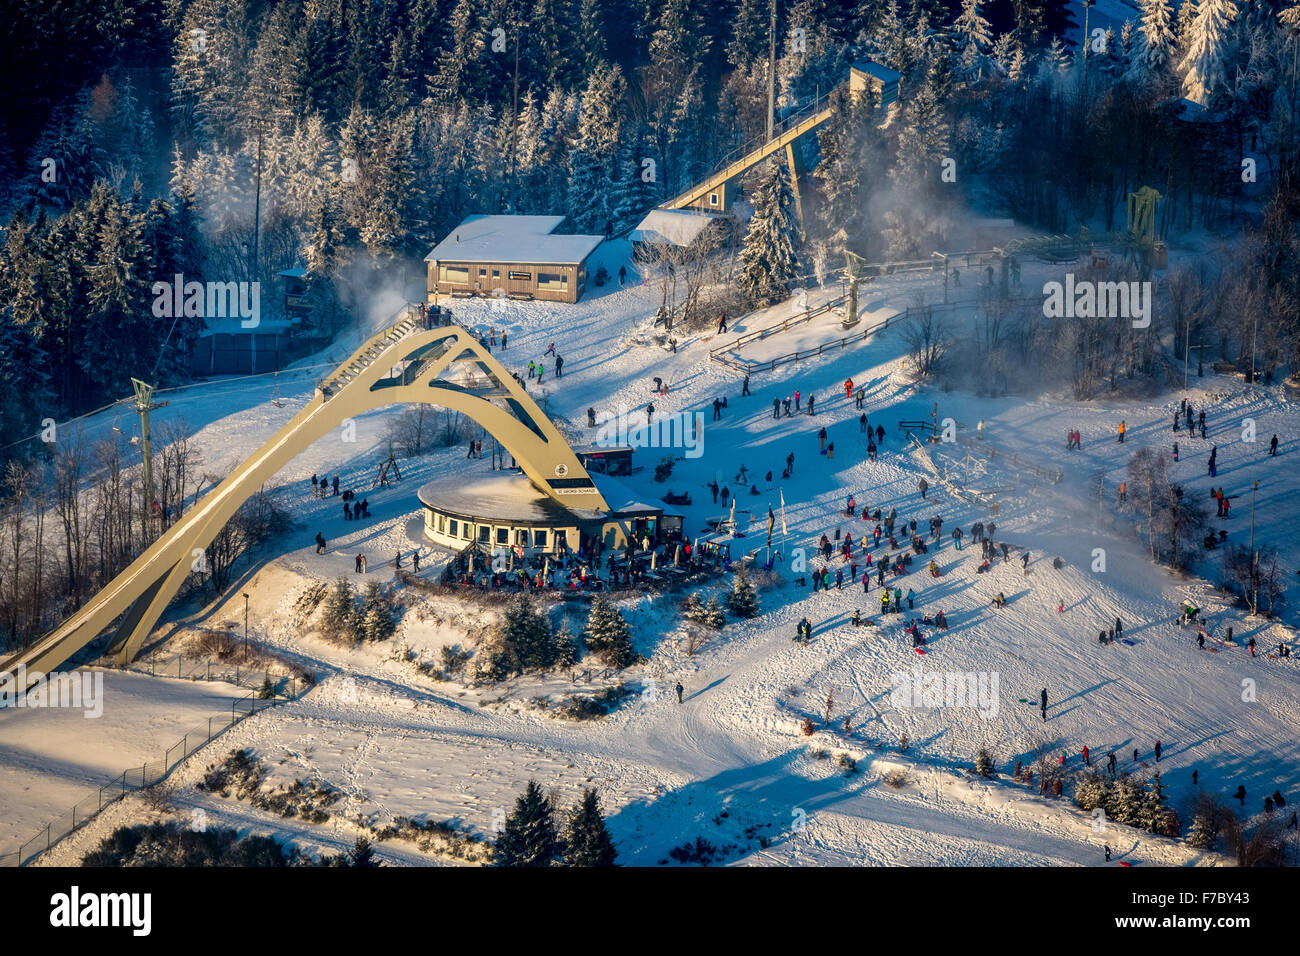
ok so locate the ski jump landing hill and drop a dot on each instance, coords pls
(401, 363)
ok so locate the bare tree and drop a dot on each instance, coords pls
(927, 337)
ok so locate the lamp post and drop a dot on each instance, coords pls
(245, 624)
(1086, 5)
(1254, 585)
(944, 257)
(1254, 337)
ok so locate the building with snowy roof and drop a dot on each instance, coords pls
(504, 510)
(671, 227)
(515, 256)
(875, 76)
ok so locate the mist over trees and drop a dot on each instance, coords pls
(131, 139)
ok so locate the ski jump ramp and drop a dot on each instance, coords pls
(400, 364)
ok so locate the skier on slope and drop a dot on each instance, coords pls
(1043, 703)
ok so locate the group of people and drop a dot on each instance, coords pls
(320, 487)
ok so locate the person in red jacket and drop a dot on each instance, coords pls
(1087, 758)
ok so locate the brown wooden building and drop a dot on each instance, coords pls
(517, 256)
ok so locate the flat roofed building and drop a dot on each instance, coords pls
(878, 77)
(516, 256)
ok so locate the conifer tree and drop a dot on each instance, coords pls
(1091, 792)
(1154, 807)
(528, 838)
(983, 763)
(564, 646)
(768, 263)
(1208, 47)
(1157, 36)
(587, 841)
(1128, 801)
(376, 617)
(362, 854)
(970, 27)
(743, 600)
(527, 633)
(340, 617)
(713, 616)
(608, 634)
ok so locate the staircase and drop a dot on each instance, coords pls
(801, 124)
(362, 358)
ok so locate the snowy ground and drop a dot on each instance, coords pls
(729, 764)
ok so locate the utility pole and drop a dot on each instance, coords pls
(771, 75)
(245, 625)
(257, 202)
(144, 404)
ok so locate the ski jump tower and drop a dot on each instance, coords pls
(717, 192)
(402, 363)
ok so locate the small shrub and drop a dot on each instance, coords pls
(701, 851)
(896, 778)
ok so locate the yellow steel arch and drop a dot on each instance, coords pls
(401, 364)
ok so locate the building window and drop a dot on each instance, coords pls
(553, 281)
(539, 539)
(442, 524)
(713, 199)
(503, 535)
(453, 274)
(453, 527)
(520, 276)
(485, 535)
(521, 537)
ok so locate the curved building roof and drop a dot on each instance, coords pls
(504, 498)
